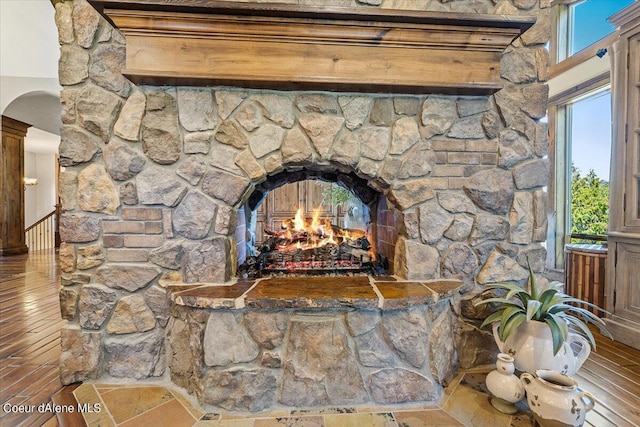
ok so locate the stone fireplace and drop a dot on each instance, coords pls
(164, 169)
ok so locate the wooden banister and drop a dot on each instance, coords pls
(42, 234)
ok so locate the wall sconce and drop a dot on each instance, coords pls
(30, 181)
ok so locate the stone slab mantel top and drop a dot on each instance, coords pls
(293, 47)
(366, 292)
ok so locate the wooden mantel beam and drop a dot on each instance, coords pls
(278, 46)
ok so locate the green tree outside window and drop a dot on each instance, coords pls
(589, 203)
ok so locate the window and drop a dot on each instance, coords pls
(590, 137)
(588, 24)
(582, 162)
(580, 119)
(584, 22)
(590, 142)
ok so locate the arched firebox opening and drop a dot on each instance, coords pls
(316, 222)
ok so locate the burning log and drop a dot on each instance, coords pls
(314, 247)
(291, 240)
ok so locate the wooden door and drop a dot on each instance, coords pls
(632, 137)
(623, 268)
(282, 204)
(12, 238)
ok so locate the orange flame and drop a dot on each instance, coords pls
(319, 232)
(330, 239)
(315, 221)
(298, 221)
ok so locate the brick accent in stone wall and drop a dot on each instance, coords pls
(386, 231)
(132, 238)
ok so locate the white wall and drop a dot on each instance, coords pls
(46, 175)
(31, 191)
(39, 199)
(29, 39)
(29, 54)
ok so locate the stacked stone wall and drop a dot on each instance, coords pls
(154, 175)
(252, 360)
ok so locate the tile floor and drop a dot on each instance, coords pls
(465, 403)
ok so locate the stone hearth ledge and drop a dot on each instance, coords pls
(384, 292)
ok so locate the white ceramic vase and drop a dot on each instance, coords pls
(555, 399)
(531, 346)
(504, 385)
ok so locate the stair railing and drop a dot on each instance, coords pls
(44, 233)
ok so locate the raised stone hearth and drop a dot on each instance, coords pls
(341, 341)
(161, 183)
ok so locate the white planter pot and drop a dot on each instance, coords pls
(531, 346)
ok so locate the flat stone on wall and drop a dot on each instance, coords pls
(224, 186)
(491, 190)
(240, 389)
(325, 372)
(122, 162)
(206, 261)
(406, 331)
(96, 302)
(373, 350)
(128, 124)
(443, 354)
(415, 261)
(126, 276)
(226, 342)
(267, 329)
(179, 353)
(96, 191)
(131, 314)
(160, 133)
(193, 217)
(105, 67)
(77, 146)
(155, 186)
(398, 385)
(81, 356)
(136, 356)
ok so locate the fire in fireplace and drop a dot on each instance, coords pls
(311, 222)
(313, 247)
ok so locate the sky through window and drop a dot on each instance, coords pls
(590, 21)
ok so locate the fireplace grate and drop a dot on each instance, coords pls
(321, 260)
(329, 260)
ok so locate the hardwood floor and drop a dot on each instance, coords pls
(612, 376)
(30, 325)
(30, 348)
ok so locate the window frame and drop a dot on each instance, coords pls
(560, 118)
(559, 125)
(561, 61)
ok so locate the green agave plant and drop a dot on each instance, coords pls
(550, 306)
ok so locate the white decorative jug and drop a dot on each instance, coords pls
(504, 385)
(555, 399)
(531, 346)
